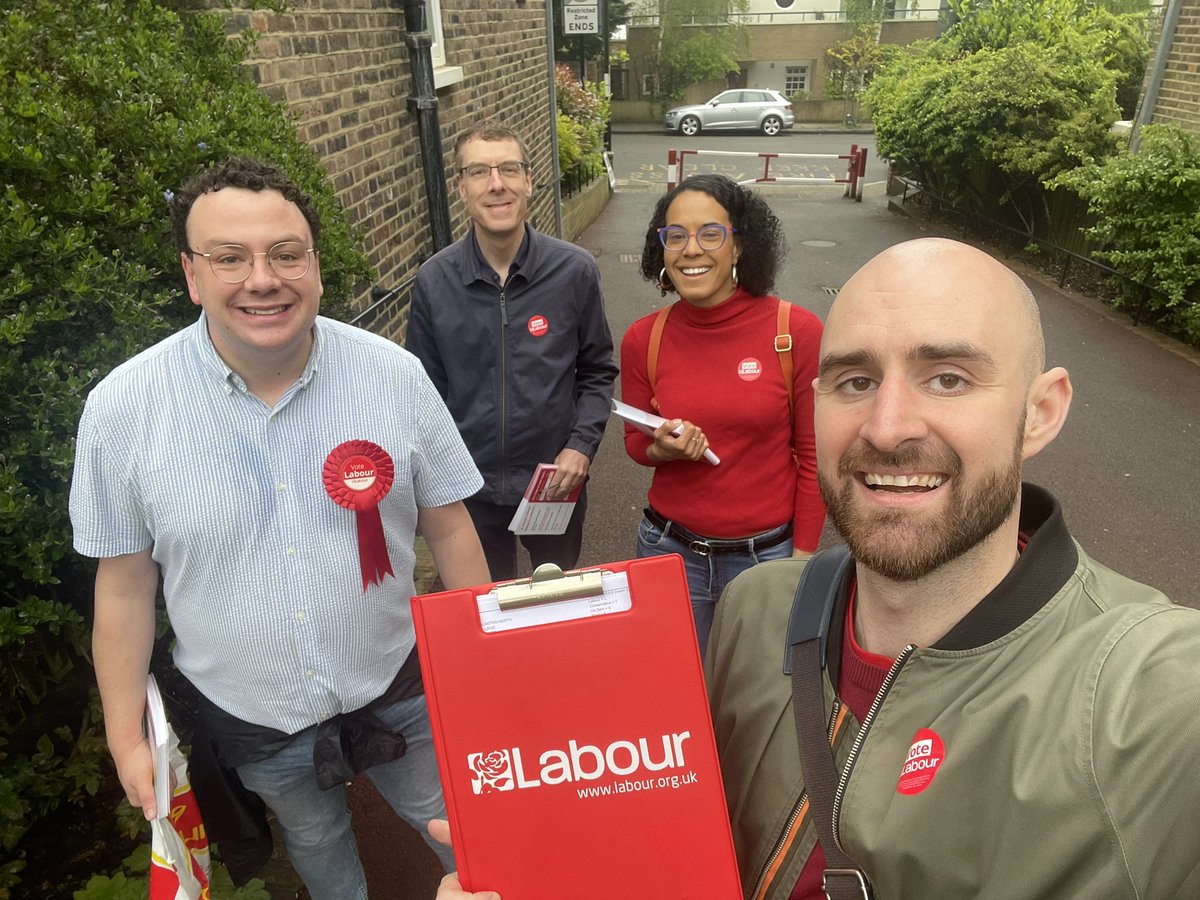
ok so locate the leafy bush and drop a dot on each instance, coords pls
(583, 114)
(1147, 208)
(850, 64)
(986, 129)
(568, 142)
(103, 108)
(132, 881)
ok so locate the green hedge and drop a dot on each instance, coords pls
(1147, 208)
(103, 108)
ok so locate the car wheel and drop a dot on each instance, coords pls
(771, 125)
(689, 125)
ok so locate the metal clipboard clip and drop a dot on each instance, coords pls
(547, 585)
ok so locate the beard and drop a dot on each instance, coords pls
(893, 544)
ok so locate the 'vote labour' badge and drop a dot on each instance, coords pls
(358, 475)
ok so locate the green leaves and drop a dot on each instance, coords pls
(103, 108)
(581, 118)
(1147, 209)
(696, 43)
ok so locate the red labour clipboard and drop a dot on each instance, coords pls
(577, 757)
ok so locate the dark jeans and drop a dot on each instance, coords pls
(500, 544)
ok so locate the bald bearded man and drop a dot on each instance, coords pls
(1009, 718)
(1030, 715)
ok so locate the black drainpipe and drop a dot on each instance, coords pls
(424, 103)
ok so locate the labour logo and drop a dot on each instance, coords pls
(490, 771)
(749, 369)
(925, 757)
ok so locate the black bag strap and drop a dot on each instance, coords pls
(808, 636)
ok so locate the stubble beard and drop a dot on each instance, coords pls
(889, 542)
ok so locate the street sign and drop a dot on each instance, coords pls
(581, 17)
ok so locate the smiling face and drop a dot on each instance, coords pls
(703, 278)
(497, 205)
(928, 399)
(266, 321)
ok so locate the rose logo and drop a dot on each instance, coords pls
(492, 771)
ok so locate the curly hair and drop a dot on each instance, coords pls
(239, 172)
(759, 233)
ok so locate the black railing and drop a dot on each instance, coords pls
(1018, 238)
(580, 175)
(382, 301)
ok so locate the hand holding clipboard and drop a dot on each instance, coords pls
(569, 712)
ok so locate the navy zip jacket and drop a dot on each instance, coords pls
(526, 368)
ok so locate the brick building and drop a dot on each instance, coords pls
(343, 69)
(784, 48)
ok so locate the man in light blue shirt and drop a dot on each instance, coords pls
(219, 458)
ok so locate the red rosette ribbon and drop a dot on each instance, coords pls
(357, 475)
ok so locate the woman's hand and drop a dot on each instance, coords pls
(677, 439)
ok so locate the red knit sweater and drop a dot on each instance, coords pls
(718, 368)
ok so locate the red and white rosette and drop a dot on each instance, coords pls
(358, 475)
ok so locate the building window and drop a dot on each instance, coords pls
(438, 49)
(795, 79)
(648, 85)
(443, 74)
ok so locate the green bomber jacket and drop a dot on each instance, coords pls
(1046, 747)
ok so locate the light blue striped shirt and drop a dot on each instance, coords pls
(260, 567)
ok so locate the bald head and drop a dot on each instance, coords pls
(966, 288)
(930, 396)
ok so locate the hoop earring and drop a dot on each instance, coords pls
(664, 283)
(733, 274)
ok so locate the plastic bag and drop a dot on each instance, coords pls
(179, 862)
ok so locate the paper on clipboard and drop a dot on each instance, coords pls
(615, 598)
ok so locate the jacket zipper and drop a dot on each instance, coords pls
(503, 392)
(760, 887)
(862, 736)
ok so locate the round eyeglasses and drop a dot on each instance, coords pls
(233, 263)
(510, 168)
(708, 237)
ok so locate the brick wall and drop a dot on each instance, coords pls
(342, 67)
(1179, 96)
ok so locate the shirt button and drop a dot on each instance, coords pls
(310, 674)
(281, 486)
(300, 615)
(291, 551)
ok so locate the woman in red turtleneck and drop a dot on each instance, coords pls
(719, 376)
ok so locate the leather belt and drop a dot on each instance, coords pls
(704, 546)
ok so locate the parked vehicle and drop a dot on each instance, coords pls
(745, 108)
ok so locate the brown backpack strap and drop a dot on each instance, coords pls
(660, 322)
(808, 633)
(783, 348)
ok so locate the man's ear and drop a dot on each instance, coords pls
(189, 274)
(1046, 410)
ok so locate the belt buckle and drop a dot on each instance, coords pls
(699, 547)
(858, 881)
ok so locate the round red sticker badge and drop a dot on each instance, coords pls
(925, 757)
(357, 475)
(749, 369)
(538, 325)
